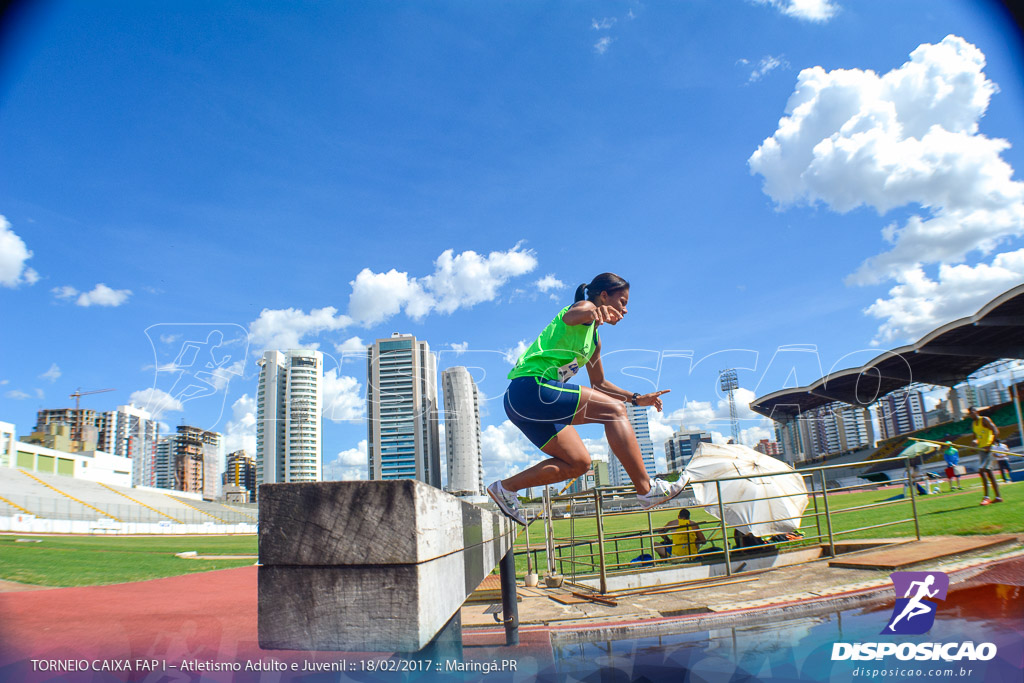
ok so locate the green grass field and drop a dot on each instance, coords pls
(96, 560)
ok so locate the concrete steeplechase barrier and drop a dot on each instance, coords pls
(374, 566)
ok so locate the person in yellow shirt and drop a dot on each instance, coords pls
(985, 434)
(686, 537)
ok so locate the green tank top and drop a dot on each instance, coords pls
(559, 352)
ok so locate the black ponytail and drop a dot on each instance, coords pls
(605, 282)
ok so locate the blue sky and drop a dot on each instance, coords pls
(833, 174)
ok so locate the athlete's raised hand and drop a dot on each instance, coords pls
(652, 399)
(607, 314)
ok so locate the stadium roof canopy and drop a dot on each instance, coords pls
(944, 356)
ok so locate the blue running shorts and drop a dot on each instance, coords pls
(541, 407)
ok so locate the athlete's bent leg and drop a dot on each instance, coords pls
(596, 407)
(569, 459)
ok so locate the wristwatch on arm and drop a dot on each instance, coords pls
(634, 397)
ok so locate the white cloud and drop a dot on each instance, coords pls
(352, 345)
(101, 295)
(705, 415)
(506, 451)
(169, 338)
(751, 435)
(342, 396)
(378, 296)
(156, 401)
(602, 45)
(17, 395)
(602, 25)
(598, 448)
(548, 283)
(766, 66)
(458, 281)
(467, 279)
(348, 465)
(806, 10)
(660, 429)
(240, 431)
(284, 329)
(512, 355)
(52, 374)
(13, 256)
(918, 303)
(459, 347)
(910, 137)
(64, 293)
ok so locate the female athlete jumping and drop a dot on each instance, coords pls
(545, 407)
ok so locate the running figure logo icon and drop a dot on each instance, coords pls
(914, 613)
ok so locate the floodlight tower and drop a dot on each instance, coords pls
(729, 383)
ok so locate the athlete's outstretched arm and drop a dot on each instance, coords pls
(583, 312)
(599, 382)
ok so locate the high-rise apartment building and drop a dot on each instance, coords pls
(767, 447)
(585, 482)
(601, 476)
(993, 393)
(401, 395)
(197, 461)
(289, 402)
(462, 432)
(901, 412)
(856, 428)
(240, 473)
(165, 447)
(86, 427)
(131, 432)
(637, 416)
(681, 446)
(962, 397)
(837, 428)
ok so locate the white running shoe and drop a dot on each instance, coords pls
(661, 492)
(506, 501)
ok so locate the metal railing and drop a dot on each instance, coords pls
(590, 552)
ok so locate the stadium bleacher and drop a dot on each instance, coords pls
(51, 496)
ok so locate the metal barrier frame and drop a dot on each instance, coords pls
(565, 551)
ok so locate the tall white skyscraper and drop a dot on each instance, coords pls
(132, 433)
(637, 418)
(289, 401)
(462, 432)
(401, 396)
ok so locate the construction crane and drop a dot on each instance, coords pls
(78, 416)
(79, 394)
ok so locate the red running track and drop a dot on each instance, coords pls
(206, 617)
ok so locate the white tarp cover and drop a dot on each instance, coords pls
(743, 498)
